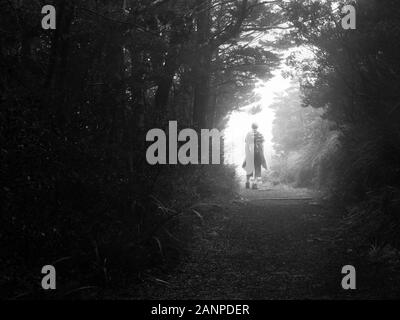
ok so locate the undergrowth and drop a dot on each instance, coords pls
(106, 241)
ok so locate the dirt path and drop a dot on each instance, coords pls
(269, 244)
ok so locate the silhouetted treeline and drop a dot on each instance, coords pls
(76, 103)
(352, 150)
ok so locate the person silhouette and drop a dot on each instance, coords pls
(254, 149)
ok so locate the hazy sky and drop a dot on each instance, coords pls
(240, 121)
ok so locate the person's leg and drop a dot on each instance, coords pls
(257, 170)
(248, 181)
(258, 174)
(254, 185)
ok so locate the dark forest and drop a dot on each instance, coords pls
(77, 193)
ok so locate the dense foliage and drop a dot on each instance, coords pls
(76, 103)
(304, 142)
(352, 80)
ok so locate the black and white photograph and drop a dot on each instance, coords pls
(207, 153)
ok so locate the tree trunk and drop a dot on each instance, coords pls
(202, 66)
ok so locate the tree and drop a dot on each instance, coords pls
(354, 79)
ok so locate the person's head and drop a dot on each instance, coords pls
(254, 126)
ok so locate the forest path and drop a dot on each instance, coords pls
(278, 243)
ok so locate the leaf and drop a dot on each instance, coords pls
(161, 281)
(159, 245)
(61, 260)
(164, 209)
(198, 214)
(80, 289)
